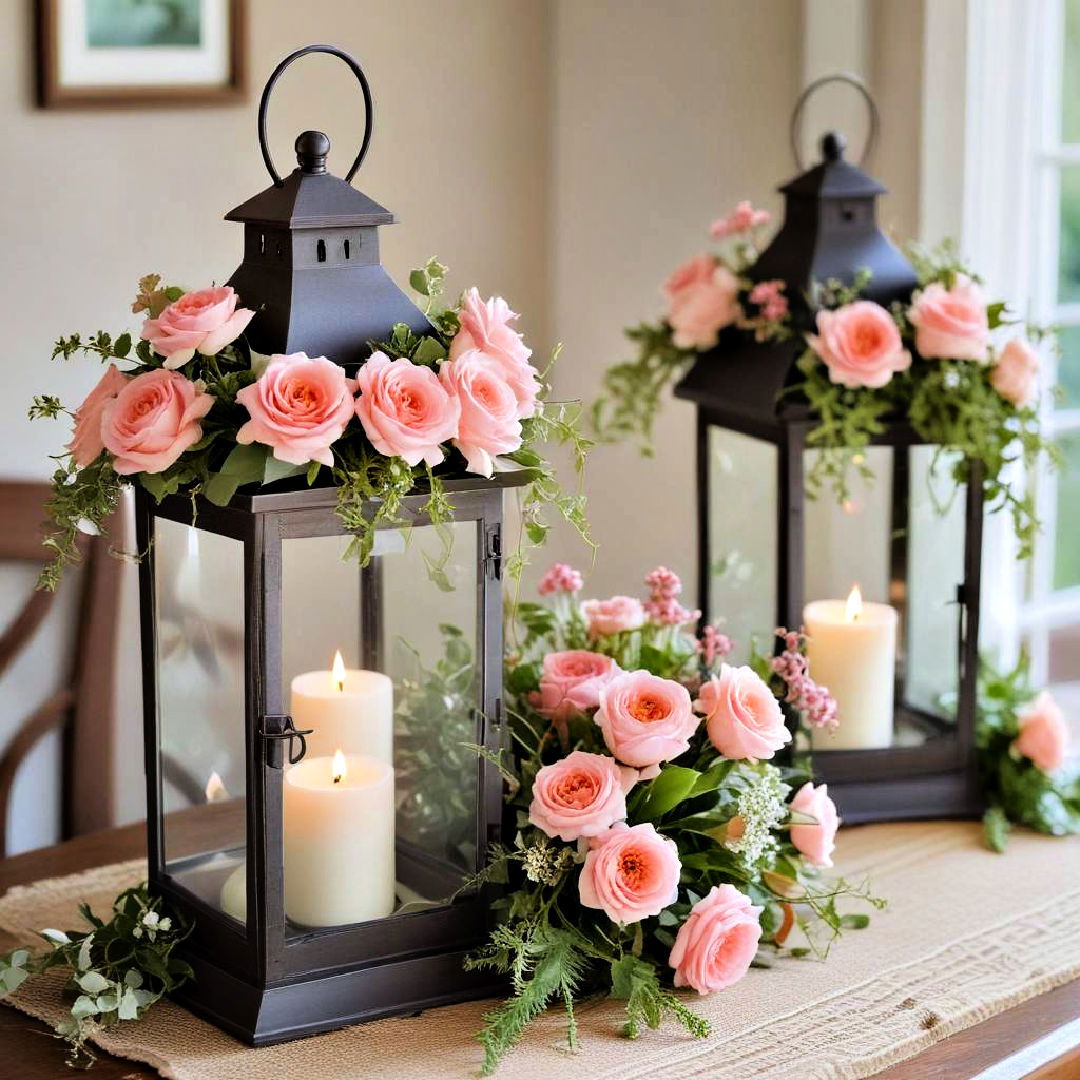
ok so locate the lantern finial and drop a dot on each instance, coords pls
(833, 145)
(312, 148)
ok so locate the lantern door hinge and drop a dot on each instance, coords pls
(493, 552)
(275, 731)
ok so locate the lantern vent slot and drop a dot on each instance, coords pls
(346, 248)
(262, 243)
(320, 251)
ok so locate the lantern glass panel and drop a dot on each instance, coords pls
(413, 836)
(742, 536)
(199, 612)
(900, 537)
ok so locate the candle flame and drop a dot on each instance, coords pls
(216, 791)
(337, 672)
(338, 768)
(854, 604)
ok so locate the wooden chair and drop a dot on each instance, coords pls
(83, 709)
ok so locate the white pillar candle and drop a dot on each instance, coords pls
(234, 893)
(339, 840)
(349, 710)
(851, 649)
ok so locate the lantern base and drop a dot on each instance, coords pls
(322, 1002)
(916, 798)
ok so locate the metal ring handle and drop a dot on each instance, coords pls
(369, 109)
(817, 84)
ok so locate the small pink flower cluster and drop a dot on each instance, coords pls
(561, 578)
(743, 219)
(713, 645)
(769, 296)
(663, 606)
(815, 702)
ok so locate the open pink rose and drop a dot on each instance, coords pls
(406, 412)
(816, 842)
(630, 873)
(485, 326)
(86, 441)
(1016, 374)
(605, 617)
(299, 406)
(153, 420)
(950, 324)
(702, 298)
(715, 946)
(645, 719)
(859, 344)
(579, 795)
(489, 409)
(571, 682)
(743, 717)
(204, 321)
(1043, 735)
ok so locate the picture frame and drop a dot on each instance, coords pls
(136, 53)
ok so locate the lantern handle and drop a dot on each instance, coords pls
(817, 84)
(264, 101)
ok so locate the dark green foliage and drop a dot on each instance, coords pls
(118, 968)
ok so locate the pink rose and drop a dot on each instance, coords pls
(605, 617)
(702, 298)
(86, 441)
(489, 409)
(1016, 374)
(571, 682)
(951, 324)
(1043, 736)
(204, 321)
(580, 795)
(743, 717)
(153, 420)
(645, 719)
(405, 410)
(715, 946)
(485, 325)
(860, 344)
(298, 406)
(816, 842)
(630, 873)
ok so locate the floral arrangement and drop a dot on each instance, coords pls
(658, 846)
(194, 410)
(949, 361)
(1021, 743)
(117, 969)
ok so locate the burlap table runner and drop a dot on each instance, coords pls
(967, 934)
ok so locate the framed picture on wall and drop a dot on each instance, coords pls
(140, 52)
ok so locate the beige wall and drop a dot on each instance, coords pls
(567, 153)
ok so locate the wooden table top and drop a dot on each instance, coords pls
(27, 1052)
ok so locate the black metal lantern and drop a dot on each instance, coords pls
(766, 548)
(311, 911)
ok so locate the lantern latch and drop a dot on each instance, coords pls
(276, 730)
(493, 552)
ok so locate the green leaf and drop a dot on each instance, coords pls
(280, 470)
(418, 282)
(667, 790)
(995, 829)
(82, 960)
(313, 471)
(855, 921)
(128, 1006)
(220, 488)
(84, 1006)
(122, 346)
(93, 982)
(429, 352)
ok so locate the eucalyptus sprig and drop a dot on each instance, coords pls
(117, 969)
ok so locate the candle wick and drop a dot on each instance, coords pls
(341, 686)
(337, 779)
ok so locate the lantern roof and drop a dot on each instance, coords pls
(834, 177)
(310, 197)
